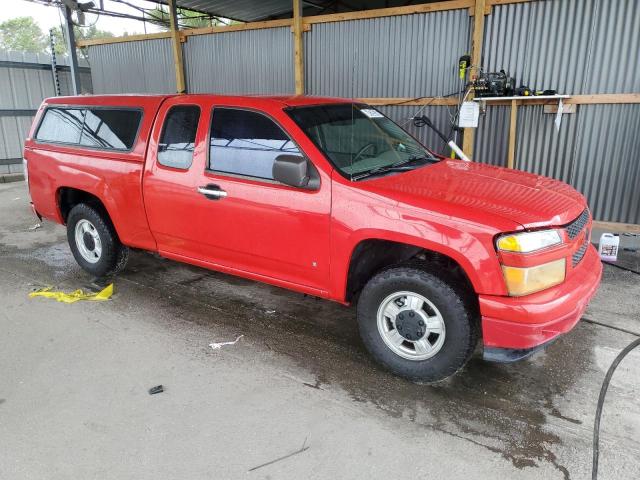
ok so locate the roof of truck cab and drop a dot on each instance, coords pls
(134, 99)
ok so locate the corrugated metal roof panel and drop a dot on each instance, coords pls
(245, 10)
(252, 10)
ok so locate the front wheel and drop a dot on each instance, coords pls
(94, 242)
(415, 324)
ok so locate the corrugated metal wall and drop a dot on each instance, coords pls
(573, 46)
(253, 61)
(606, 163)
(401, 56)
(133, 67)
(25, 80)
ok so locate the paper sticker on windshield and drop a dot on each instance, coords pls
(371, 113)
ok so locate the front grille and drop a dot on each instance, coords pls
(578, 254)
(575, 227)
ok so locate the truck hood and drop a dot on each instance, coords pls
(527, 199)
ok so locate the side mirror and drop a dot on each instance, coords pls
(295, 171)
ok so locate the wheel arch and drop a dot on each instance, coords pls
(373, 254)
(69, 197)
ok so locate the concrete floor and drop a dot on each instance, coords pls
(74, 381)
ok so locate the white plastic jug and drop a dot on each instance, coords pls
(608, 248)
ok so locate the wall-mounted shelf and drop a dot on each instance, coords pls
(514, 115)
(521, 97)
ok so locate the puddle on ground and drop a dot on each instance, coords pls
(503, 408)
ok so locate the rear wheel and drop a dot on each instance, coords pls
(94, 242)
(415, 324)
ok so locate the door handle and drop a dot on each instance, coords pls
(212, 192)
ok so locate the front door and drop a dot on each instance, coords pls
(251, 223)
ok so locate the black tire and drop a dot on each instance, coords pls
(461, 332)
(114, 255)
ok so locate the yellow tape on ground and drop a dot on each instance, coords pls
(74, 296)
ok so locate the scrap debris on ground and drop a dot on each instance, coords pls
(75, 296)
(217, 346)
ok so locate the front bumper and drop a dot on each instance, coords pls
(520, 324)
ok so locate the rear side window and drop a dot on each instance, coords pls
(102, 128)
(177, 141)
(110, 129)
(246, 143)
(61, 125)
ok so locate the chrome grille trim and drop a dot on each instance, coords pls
(578, 254)
(575, 227)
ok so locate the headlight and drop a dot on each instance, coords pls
(523, 281)
(528, 241)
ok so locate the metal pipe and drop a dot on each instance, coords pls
(71, 47)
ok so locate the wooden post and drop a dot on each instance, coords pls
(177, 46)
(513, 119)
(298, 47)
(476, 59)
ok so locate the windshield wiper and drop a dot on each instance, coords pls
(401, 165)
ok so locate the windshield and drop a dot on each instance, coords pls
(359, 140)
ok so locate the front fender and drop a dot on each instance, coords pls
(479, 263)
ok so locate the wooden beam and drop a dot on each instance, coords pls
(593, 99)
(617, 227)
(513, 119)
(298, 47)
(567, 109)
(476, 60)
(177, 47)
(603, 98)
(128, 38)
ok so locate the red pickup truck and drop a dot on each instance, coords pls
(328, 197)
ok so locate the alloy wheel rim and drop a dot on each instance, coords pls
(411, 325)
(88, 241)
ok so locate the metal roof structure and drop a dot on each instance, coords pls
(256, 10)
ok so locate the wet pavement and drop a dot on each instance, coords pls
(74, 381)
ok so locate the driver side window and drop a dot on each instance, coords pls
(246, 143)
